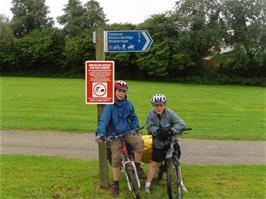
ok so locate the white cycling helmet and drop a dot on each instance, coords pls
(158, 99)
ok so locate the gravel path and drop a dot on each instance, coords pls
(82, 145)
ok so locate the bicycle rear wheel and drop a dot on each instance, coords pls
(173, 180)
(133, 180)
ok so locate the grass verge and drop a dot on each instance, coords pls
(53, 177)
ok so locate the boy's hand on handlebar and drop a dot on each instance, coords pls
(171, 132)
(163, 133)
(99, 139)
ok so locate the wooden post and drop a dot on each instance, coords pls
(103, 166)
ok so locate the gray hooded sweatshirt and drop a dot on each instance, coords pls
(168, 119)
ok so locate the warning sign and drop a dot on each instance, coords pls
(99, 86)
(99, 90)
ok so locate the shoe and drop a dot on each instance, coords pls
(147, 189)
(140, 172)
(115, 191)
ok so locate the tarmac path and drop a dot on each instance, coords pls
(83, 146)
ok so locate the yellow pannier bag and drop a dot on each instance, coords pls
(146, 157)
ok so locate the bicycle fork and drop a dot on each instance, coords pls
(180, 181)
(183, 188)
(125, 164)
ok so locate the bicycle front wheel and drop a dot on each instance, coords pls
(133, 180)
(173, 180)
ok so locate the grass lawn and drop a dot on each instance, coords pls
(52, 177)
(213, 111)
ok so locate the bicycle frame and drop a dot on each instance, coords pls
(172, 158)
(128, 166)
(127, 160)
(171, 154)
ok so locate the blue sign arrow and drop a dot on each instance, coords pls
(127, 41)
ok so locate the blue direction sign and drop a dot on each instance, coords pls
(127, 41)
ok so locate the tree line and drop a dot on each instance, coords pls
(187, 41)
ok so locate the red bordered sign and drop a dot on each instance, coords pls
(99, 84)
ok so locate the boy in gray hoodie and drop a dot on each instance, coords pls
(162, 123)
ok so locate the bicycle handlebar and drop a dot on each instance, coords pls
(120, 136)
(184, 129)
(103, 138)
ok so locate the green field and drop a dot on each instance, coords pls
(213, 111)
(52, 177)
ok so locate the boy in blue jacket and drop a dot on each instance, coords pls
(117, 119)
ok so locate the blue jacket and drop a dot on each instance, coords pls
(117, 119)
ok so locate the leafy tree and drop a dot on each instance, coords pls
(199, 26)
(246, 30)
(7, 44)
(79, 22)
(40, 51)
(161, 26)
(158, 61)
(94, 15)
(155, 63)
(6, 35)
(184, 35)
(73, 18)
(77, 50)
(79, 18)
(120, 26)
(29, 15)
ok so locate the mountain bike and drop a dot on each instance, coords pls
(128, 166)
(171, 165)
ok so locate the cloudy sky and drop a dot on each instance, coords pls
(117, 11)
